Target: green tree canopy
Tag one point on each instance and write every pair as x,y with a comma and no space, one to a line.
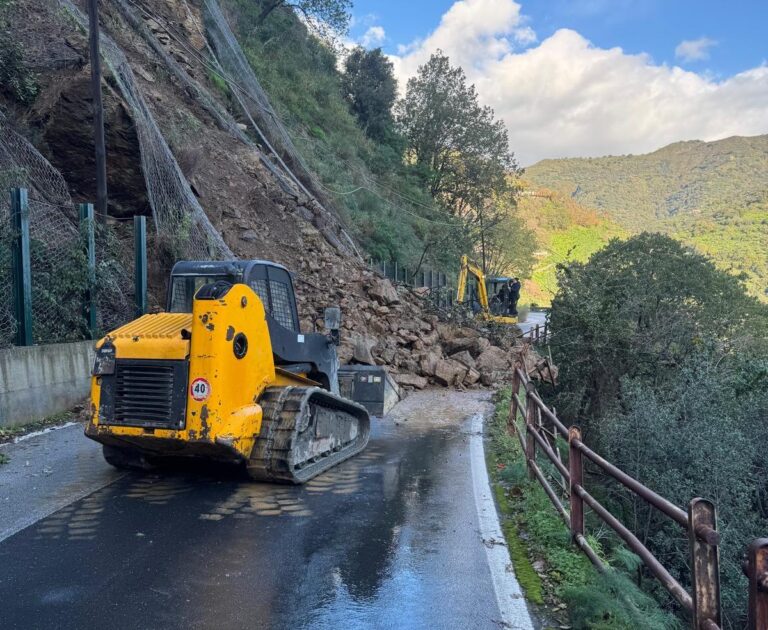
662,363
640,308
461,151
370,88
333,13
460,146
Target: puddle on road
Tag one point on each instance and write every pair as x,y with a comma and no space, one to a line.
79,521
433,413
256,499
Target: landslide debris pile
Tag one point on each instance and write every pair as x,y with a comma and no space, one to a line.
393,326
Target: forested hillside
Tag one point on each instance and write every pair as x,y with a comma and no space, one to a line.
713,195
565,231
419,179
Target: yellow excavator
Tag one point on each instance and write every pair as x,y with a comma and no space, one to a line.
225,374
485,310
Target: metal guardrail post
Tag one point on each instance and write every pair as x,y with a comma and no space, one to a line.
757,572
140,253
705,563
576,470
85,211
530,440
21,269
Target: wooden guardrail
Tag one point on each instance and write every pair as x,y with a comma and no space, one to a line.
539,435
540,333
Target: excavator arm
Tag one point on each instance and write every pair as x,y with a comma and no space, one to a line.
467,268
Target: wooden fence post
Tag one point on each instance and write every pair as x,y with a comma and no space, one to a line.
512,419
21,270
576,470
705,563
757,572
530,440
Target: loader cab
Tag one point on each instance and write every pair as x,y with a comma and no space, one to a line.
270,281
311,354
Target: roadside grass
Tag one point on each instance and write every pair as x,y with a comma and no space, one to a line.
10,433
552,571
4,459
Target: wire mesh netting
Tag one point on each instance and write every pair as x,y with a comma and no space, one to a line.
231,62
57,252
176,211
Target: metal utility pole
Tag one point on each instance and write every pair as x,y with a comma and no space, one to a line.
98,111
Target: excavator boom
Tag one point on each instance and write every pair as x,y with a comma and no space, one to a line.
470,268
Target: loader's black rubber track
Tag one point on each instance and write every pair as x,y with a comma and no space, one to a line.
304,432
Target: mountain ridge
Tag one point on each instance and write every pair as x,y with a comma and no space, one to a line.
711,195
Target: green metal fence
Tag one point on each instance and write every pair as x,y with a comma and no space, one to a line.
66,276
437,285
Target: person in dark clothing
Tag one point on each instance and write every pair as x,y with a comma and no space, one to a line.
514,295
502,299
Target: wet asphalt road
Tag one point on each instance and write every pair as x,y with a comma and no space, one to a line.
532,319
390,539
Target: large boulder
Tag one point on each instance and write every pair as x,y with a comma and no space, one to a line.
345,352
480,345
362,345
458,344
493,359
383,292
428,363
465,358
472,377
411,380
499,377
449,372
430,338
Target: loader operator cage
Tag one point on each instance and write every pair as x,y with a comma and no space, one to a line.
271,282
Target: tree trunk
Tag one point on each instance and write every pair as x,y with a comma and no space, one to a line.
267,10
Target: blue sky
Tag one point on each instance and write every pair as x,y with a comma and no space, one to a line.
656,27
591,77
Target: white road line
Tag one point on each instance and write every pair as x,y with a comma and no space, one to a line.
509,596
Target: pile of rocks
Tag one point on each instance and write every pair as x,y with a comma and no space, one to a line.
390,326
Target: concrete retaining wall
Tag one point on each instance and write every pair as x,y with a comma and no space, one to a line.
39,381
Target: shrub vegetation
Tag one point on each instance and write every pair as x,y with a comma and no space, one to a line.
663,364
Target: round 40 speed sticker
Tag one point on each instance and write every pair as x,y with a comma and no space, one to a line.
200,389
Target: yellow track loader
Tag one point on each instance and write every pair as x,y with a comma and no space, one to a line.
226,374
485,312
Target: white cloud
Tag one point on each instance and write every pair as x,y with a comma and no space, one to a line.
694,49
566,97
374,36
